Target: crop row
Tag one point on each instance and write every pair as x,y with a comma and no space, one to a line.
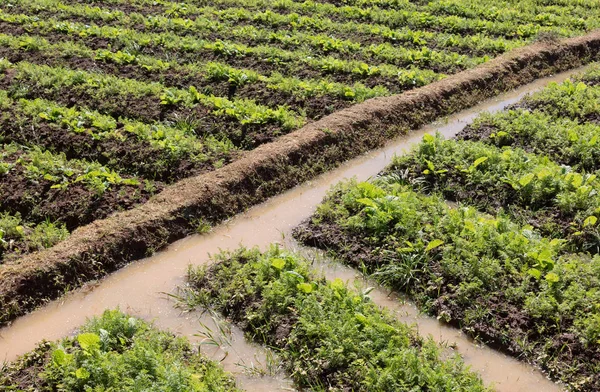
320,15
548,13
499,281
43,194
560,121
328,336
251,27
167,46
573,99
564,140
217,77
116,352
153,150
121,97
273,58
553,198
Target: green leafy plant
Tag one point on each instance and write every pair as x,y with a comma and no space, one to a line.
119,352
326,326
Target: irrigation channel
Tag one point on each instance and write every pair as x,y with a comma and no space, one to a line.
143,288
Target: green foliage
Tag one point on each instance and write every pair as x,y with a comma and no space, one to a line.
552,197
572,99
107,87
564,140
468,268
335,338
38,164
116,352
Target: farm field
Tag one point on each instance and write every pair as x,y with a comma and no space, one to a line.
337,333
120,353
128,124
513,260
106,103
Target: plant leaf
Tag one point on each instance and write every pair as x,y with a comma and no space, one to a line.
82,374
278,263
88,341
535,273
306,288
433,244
479,161
526,179
552,277
590,221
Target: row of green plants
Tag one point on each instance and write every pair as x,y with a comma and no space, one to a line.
543,13
190,49
574,99
205,73
247,41
556,199
108,92
43,186
37,164
18,237
104,135
116,352
320,37
446,16
327,335
421,20
509,23
501,282
517,11
564,140
560,121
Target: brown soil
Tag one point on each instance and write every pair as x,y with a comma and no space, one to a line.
102,246
77,205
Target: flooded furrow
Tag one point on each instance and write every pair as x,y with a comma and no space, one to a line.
143,287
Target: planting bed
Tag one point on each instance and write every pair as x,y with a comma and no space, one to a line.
116,352
515,262
329,336
166,116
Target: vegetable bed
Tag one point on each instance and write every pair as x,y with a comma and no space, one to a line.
513,261
116,352
328,336
136,95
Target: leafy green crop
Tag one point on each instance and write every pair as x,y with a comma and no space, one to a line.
564,140
559,201
497,280
116,352
328,336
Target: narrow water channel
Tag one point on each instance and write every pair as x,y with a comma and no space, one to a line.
142,287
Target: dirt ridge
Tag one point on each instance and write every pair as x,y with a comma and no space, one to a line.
105,245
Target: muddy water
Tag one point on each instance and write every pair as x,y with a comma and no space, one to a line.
142,287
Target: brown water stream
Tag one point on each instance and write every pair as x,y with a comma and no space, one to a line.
140,287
